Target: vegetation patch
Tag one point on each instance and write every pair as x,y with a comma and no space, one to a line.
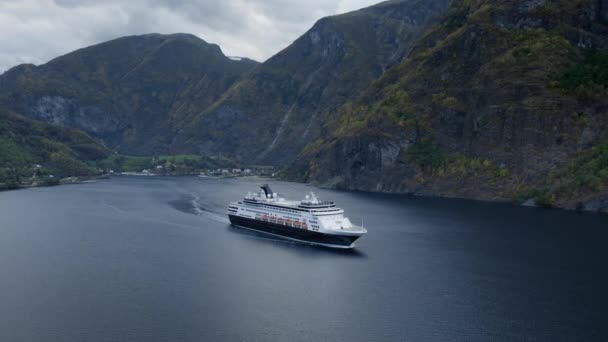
36,153
538,49
587,174
587,78
168,164
397,106
426,155
351,120
463,166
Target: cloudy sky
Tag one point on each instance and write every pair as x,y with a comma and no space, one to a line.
35,31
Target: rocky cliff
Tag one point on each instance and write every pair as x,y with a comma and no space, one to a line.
499,101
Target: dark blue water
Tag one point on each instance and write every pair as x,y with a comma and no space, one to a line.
154,259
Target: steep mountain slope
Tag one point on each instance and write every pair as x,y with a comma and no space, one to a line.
500,100
131,92
274,111
59,151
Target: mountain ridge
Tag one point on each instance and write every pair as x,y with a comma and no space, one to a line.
127,91
284,101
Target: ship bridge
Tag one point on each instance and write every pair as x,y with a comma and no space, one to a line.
319,205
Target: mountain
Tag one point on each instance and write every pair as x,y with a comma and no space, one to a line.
164,94
480,99
273,112
131,92
59,151
501,100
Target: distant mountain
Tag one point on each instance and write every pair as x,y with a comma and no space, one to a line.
132,92
500,100
61,152
274,111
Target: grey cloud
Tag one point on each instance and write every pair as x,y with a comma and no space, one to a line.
35,31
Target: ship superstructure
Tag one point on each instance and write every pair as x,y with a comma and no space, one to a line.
309,220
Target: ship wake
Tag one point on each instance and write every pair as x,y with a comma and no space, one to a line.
191,204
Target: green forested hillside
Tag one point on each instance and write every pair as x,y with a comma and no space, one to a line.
37,153
501,100
32,151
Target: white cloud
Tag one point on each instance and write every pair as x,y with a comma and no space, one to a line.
35,31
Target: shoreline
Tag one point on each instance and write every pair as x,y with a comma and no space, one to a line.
94,179
593,206
526,204
63,181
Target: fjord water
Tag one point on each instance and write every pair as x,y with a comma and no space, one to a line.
154,259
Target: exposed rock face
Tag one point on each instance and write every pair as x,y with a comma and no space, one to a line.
132,92
284,103
370,165
598,204
65,112
495,102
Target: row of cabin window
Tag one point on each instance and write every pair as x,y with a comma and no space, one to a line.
281,209
263,213
325,211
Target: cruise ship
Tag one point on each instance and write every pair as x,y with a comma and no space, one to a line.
309,221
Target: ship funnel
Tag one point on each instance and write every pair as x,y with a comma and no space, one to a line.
267,191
